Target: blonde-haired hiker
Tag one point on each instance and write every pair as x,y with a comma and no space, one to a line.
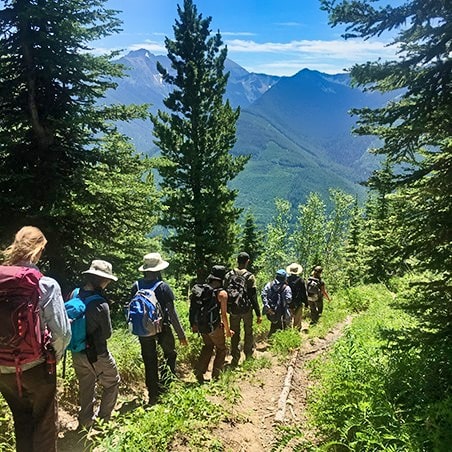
34,333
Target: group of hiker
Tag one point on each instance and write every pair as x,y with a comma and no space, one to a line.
38,326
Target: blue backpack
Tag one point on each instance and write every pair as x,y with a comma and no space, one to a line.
76,308
144,314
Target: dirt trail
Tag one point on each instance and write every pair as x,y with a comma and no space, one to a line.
256,430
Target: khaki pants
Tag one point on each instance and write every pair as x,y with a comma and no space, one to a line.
297,315
216,339
104,372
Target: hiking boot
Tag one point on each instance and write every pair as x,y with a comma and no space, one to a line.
234,363
200,379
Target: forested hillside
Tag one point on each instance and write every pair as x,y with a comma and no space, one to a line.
382,378
295,128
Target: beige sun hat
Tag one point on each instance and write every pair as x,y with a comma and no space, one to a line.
294,269
153,262
101,268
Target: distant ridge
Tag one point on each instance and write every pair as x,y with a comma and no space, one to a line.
297,129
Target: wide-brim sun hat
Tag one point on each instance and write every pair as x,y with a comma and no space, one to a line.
294,269
153,262
101,268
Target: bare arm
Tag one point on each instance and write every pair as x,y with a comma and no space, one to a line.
223,300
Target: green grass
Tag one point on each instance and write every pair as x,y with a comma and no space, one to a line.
370,394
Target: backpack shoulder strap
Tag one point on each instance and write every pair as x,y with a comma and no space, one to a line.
93,297
157,284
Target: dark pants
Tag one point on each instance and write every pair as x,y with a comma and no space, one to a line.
316,308
165,339
279,325
234,323
35,413
216,339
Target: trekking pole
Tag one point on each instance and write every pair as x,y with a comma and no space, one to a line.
64,363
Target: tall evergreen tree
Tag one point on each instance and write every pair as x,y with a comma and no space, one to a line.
415,131
415,127
51,120
195,135
251,240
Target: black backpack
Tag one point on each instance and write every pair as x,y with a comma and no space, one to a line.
314,289
238,299
295,285
204,308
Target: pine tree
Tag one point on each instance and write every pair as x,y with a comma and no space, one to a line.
251,240
52,121
415,132
195,135
415,127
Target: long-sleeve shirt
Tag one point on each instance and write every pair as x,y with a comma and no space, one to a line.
268,296
165,297
98,321
53,316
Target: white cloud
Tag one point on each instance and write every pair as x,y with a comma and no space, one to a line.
289,24
287,58
337,49
152,46
237,33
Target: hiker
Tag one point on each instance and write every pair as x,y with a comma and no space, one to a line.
242,299
276,297
153,264
95,364
316,291
28,377
208,316
299,295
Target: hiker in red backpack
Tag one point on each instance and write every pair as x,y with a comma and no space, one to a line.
316,291
35,331
95,364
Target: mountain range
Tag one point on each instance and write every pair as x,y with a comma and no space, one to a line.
296,129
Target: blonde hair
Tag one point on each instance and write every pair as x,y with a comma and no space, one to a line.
27,246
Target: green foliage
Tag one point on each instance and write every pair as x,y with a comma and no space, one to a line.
186,412
6,426
251,241
318,238
195,137
285,341
56,170
310,232
377,393
276,242
121,188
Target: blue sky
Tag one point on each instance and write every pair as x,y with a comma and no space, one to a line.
278,37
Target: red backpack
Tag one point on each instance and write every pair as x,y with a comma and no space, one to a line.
21,339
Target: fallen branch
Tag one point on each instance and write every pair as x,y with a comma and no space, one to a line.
282,402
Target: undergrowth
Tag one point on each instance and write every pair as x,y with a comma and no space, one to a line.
372,394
